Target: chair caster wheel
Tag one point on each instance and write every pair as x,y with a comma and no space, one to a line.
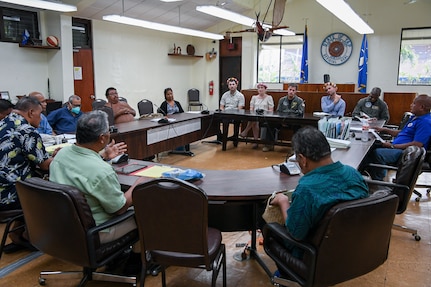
417,237
42,281
417,199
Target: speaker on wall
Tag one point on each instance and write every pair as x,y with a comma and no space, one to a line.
326,78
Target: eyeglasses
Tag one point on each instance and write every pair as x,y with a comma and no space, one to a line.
113,93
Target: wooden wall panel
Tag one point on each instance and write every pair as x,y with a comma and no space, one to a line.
319,87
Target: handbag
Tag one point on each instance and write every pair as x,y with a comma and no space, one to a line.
273,213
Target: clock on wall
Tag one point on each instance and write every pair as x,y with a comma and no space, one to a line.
336,48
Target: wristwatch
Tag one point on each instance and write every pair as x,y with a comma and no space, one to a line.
392,146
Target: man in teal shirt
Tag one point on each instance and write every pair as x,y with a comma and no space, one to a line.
324,184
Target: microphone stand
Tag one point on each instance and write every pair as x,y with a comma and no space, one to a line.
187,151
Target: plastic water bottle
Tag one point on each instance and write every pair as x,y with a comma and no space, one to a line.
365,131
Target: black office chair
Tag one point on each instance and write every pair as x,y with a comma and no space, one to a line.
97,104
403,185
351,240
8,217
194,99
145,107
172,218
426,168
60,223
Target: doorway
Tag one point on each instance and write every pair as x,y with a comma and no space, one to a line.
83,62
230,62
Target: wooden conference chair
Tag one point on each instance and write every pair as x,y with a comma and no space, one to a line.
351,240
60,224
172,218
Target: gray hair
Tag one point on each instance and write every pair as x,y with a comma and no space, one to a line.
91,125
27,103
311,143
74,97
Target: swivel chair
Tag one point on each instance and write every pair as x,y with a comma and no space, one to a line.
60,223
97,104
403,185
8,217
172,218
351,240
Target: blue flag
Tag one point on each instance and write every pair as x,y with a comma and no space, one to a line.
304,61
363,66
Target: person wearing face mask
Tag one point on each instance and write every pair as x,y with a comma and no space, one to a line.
64,120
372,106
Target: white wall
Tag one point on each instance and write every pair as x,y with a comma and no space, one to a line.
135,60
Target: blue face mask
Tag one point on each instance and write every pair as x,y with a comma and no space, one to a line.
76,110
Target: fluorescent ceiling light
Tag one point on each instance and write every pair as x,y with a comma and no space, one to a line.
345,13
54,6
237,18
161,27
168,1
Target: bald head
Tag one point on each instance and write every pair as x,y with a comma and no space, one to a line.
39,96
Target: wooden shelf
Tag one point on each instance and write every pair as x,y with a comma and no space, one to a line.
39,47
185,56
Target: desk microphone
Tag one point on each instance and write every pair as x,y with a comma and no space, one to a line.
160,110
163,120
206,111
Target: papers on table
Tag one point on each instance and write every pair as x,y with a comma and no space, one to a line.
50,149
337,143
377,136
335,128
320,114
153,171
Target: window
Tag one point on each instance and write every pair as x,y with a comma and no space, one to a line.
414,67
14,22
81,31
279,59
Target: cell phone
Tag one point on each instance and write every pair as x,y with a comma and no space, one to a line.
127,169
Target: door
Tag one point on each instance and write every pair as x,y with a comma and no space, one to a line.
84,77
230,62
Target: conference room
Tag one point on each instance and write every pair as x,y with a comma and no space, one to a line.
142,62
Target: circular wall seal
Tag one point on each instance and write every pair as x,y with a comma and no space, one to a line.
336,48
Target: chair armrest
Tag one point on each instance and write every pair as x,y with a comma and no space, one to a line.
382,166
114,221
385,183
393,127
281,232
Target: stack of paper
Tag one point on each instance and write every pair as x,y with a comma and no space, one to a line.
335,128
337,143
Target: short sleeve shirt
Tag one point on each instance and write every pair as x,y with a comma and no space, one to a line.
234,101
417,129
21,150
86,170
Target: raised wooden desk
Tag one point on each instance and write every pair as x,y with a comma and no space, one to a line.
145,138
227,116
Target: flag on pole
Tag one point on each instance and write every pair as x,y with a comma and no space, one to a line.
304,61
363,66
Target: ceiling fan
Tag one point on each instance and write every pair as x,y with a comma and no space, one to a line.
263,30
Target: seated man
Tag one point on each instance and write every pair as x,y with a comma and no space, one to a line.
81,165
417,131
64,120
332,104
323,185
292,105
232,100
44,126
21,153
5,108
123,112
372,106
